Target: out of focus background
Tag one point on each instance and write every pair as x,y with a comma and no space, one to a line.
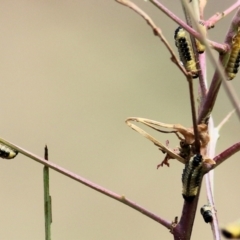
71,73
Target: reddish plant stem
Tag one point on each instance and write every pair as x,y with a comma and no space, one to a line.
156,30
185,224
218,16
184,228
220,158
210,100
90,184
217,46
202,77
208,104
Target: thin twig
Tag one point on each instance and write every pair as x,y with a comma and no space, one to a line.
156,30
227,153
224,121
194,118
210,23
89,184
209,102
217,46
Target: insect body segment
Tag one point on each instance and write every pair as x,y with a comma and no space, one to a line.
191,177
232,230
200,47
206,212
185,51
234,59
7,152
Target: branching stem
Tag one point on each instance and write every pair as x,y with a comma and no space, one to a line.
217,46
218,16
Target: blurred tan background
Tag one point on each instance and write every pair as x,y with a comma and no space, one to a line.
71,73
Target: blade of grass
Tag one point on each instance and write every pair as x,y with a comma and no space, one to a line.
47,199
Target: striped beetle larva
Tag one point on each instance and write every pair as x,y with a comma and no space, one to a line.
234,59
7,152
232,230
191,177
185,51
206,212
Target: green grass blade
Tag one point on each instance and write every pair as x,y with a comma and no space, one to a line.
47,199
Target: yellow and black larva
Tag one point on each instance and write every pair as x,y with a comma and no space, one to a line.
192,177
200,47
185,51
7,152
232,230
234,59
206,212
